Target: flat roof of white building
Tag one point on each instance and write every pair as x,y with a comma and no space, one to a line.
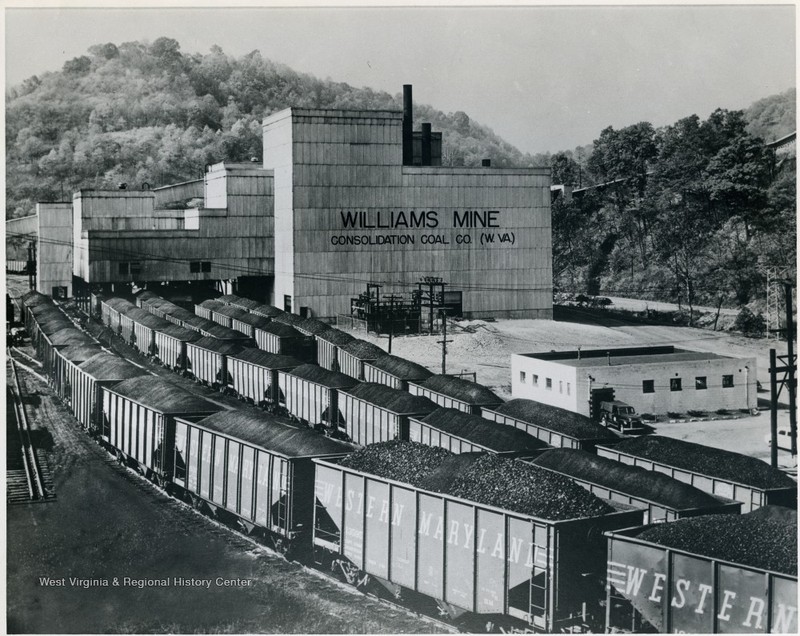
622,356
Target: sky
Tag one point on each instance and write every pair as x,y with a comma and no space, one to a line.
545,78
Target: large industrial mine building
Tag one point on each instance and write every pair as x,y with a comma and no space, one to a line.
343,198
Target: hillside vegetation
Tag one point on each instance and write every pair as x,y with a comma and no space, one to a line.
149,113
696,211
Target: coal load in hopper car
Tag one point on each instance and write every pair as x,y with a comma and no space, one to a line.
706,574
727,474
485,539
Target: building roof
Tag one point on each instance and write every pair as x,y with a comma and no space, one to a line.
107,366
266,359
463,390
318,375
473,428
363,350
394,400
335,336
623,356
554,419
401,368
216,345
631,480
273,433
159,395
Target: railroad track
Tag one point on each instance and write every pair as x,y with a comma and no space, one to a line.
28,478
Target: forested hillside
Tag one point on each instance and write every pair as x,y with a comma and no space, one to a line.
691,213
695,212
142,112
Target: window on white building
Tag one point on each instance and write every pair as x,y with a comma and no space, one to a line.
522,377
648,386
560,386
675,384
700,383
567,388
727,381
535,380
548,383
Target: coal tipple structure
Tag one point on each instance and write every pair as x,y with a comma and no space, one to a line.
343,198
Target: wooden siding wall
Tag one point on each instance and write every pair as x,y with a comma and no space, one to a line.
349,161
54,249
118,226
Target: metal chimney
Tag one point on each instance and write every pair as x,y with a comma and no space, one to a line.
426,144
408,126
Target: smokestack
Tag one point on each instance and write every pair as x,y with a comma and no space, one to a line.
486,163
408,126
426,144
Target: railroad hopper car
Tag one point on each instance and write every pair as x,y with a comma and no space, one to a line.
554,426
328,344
371,413
30,300
461,432
277,337
248,323
248,304
50,343
475,560
311,327
181,316
46,319
214,330
170,342
206,308
456,393
288,318
701,575
102,369
355,354
267,311
254,467
723,473
254,376
663,498
144,329
395,372
312,393
157,306
66,361
144,298
110,311
95,309
139,422
225,314
207,360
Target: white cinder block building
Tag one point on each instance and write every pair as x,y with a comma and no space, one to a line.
654,380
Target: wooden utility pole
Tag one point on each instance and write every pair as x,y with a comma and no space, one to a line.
792,367
789,369
391,298
444,341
